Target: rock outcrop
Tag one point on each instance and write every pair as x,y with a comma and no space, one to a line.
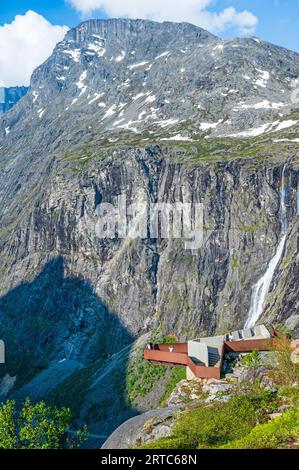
10,96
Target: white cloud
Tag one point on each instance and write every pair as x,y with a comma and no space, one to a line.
24,44
193,11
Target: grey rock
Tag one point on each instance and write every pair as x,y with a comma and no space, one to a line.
10,96
141,429
165,78
6,385
221,387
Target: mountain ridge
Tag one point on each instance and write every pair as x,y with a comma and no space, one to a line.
122,87
9,96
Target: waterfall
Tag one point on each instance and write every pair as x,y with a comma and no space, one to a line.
261,289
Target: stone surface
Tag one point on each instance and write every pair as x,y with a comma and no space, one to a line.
141,429
6,385
10,96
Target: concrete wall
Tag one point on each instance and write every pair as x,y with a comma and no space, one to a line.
199,352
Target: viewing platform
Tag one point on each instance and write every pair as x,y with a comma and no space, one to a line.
203,357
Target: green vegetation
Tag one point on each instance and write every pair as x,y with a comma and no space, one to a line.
35,426
272,435
168,339
235,262
251,360
282,328
141,378
71,392
286,373
177,374
224,424
291,394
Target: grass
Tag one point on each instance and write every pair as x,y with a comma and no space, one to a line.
177,374
71,392
141,377
286,373
216,426
251,360
281,432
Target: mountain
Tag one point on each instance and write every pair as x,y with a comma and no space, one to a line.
158,112
10,96
128,75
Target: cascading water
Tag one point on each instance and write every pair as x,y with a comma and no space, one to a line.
261,289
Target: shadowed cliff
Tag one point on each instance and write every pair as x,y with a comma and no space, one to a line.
62,343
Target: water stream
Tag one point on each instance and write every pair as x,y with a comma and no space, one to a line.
261,289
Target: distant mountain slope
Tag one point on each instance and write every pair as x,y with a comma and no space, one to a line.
10,96
164,78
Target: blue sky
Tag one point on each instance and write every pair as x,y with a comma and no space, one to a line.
272,20
278,19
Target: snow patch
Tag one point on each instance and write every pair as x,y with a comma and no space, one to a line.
97,47
35,96
139,95
285,125
204,126
150,99
263,79
178,137
112,110
167,122
74,54
40,112
128,127
121,57
140,64
96,97
261,105
80,84
164,54
255,132
286,140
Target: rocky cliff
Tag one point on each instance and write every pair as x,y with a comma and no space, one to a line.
137,108
10,96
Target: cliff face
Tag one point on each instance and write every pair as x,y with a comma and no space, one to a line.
150,283
96,125
10,96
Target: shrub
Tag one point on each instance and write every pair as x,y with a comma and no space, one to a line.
251,360
282,328
286,372
291,394
177,374
271,435
214,426
141,377
168,339
34,426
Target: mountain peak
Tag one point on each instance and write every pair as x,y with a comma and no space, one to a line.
173,80
123,29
